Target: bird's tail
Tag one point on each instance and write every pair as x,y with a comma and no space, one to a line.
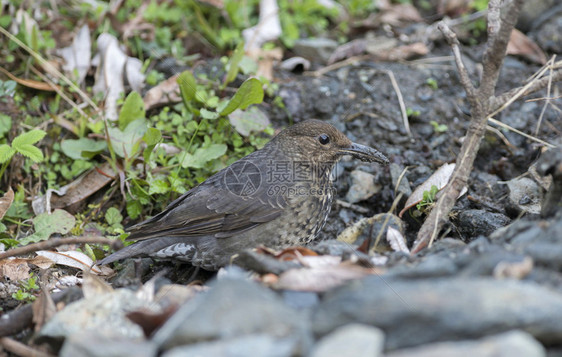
141,248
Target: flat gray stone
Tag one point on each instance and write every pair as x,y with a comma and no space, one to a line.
232,308
355,340
91,344
103,313
422,311
508,344
251,345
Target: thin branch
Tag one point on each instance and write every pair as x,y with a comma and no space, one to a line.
497,45
55,242
496,103
20,349
530,137
453,41
400,102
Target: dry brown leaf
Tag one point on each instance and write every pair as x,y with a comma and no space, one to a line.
41,262
15,269
439,178
93,286
266,60
291,253
83,187
321,278
72,259
149,320
30,83
166,92
43,309
521,45
404,52
6,202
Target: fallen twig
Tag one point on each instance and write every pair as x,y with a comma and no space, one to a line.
55,242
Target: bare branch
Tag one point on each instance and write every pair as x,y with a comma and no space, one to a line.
497,46
55,242
497,102
494,20
453,41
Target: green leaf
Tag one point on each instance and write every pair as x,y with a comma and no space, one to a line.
46,224
134,208
75,149
9,242
233,67
247,121
152,136
158,186
29,138
188,87
250,92
124,142
6,153
113,216
132,109
248,65
203,155
31,152
207,114
5,124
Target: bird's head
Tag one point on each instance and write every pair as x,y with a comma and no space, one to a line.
318,141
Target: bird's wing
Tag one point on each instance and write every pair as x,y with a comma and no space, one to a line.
211,209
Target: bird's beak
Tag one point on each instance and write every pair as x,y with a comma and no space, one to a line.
364,153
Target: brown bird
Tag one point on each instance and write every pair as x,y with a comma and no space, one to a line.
277,196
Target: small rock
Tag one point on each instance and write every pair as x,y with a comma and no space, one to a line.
475,222
252,345
512,343
104,313
362,186
351,340
455,308
548,37
524,194
233,308
91,344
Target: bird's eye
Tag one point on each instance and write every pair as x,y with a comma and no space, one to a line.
324,139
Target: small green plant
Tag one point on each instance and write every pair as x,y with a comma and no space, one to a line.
432,83
114,218
438,128
27,288
22,144
428,198
412,113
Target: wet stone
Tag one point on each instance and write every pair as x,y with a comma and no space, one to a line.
231,309
91,344
351,340
251,345
362,187
475,222
405,309
508,344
